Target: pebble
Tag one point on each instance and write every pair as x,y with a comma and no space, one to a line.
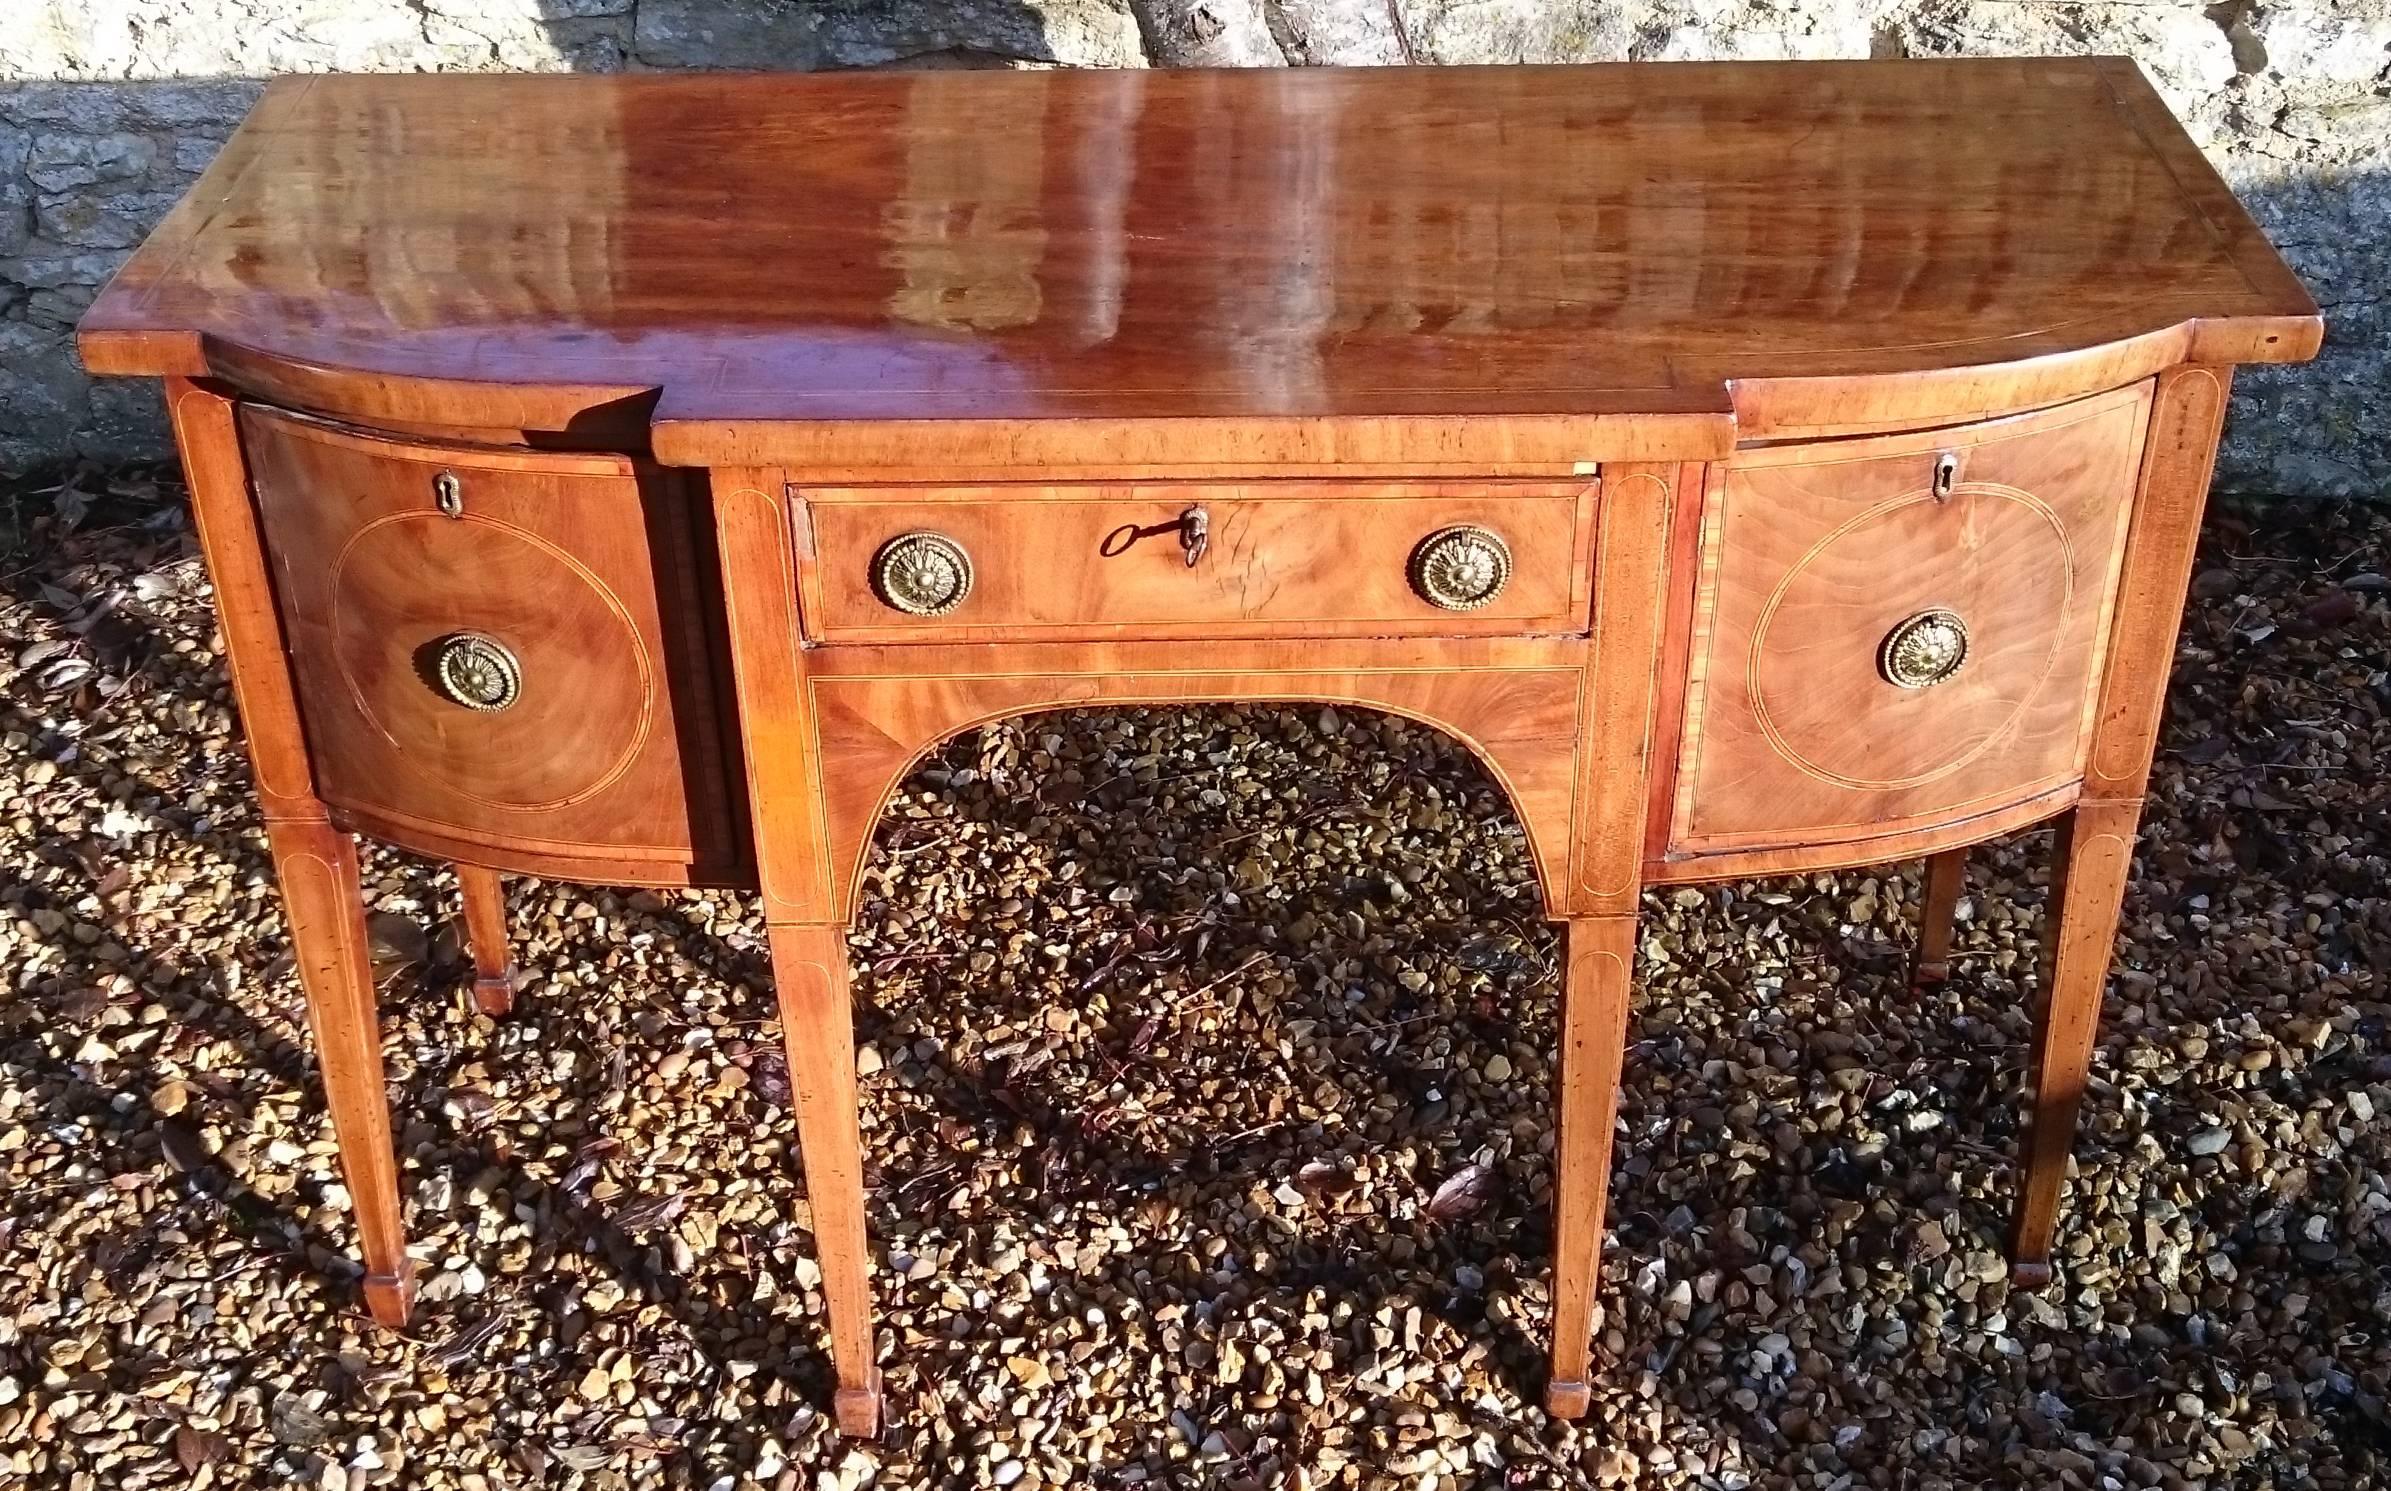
1928,1241
1173,1017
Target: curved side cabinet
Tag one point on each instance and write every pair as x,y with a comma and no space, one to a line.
501,655
1900,633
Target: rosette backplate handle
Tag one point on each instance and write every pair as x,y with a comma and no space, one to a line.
1923,650
1461,568
922,574
478,672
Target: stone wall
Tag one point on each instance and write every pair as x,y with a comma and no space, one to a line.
108,108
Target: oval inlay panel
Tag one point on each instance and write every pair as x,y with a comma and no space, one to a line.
1814,646
409,583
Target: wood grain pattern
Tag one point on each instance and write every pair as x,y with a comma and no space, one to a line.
484,897
879,710
1812,408
1956,831
1282,558
1594,1007
1164,270
809,953
315,863
2188,417
2091,859
1695,339
2094,853
1673,647
207,437
1156,446
325,904
582,567
817,1021
1793,737
1616,728
2212,203
782,754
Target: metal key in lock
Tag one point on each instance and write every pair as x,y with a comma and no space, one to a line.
1195,533
1193,526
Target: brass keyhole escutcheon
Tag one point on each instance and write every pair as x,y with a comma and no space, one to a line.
1461,568
1923,650
448,494
479,672
1946,475
922,574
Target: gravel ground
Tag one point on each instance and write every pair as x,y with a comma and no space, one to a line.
1206,1100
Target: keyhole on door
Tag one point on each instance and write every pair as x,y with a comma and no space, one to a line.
1946,475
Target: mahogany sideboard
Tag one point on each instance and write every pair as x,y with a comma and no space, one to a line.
1761,467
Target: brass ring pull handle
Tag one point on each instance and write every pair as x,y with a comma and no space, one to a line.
1461,568
1923,650
478,672
922,574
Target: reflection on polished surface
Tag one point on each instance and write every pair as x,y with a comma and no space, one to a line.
1289,243
1762,469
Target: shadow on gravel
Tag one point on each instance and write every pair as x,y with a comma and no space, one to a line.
1178,1025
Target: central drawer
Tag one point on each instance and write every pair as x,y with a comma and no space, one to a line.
1195,559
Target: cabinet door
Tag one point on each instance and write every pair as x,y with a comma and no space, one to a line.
500,655
1899,632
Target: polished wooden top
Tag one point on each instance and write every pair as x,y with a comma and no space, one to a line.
1563,244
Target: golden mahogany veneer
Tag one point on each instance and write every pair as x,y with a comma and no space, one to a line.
1761,467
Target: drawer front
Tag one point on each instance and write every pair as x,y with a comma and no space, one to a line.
496,648
1895,632
1113,560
